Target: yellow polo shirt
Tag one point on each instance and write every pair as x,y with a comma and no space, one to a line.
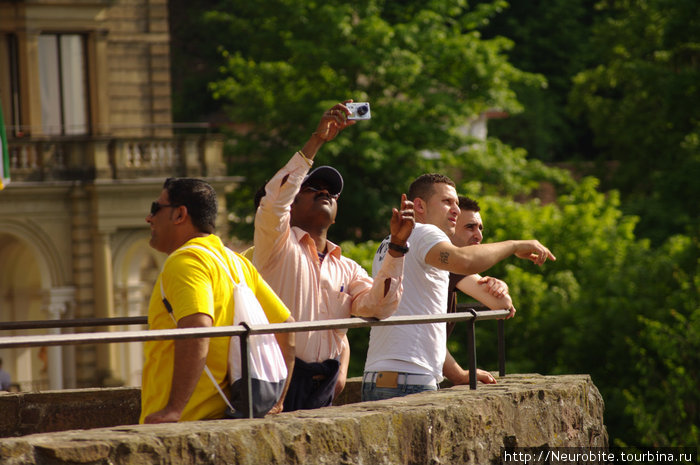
195,283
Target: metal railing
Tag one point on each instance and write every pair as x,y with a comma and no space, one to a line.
244,332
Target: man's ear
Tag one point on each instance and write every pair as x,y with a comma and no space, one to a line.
180,214
419,205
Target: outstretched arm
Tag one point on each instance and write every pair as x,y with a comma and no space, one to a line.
272,219
478,258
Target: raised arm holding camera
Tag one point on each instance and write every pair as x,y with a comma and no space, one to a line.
308,271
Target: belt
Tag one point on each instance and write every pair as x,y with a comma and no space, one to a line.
393,379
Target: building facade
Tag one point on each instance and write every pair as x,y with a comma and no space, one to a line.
85,93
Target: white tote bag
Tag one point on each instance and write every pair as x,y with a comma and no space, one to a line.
268,371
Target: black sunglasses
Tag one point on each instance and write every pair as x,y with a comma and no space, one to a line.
155,207
316,189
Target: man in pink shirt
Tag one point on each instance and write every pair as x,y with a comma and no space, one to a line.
308,272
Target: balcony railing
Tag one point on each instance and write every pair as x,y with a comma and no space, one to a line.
88,158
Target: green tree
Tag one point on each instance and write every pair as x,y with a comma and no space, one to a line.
588,296
642,104
665,401
621,91
665,404
423,67
597,309
551,38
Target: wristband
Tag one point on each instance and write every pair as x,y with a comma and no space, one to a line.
398,248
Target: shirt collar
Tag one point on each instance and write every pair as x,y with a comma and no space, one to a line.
300,234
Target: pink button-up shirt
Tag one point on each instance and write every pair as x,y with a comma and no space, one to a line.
313,290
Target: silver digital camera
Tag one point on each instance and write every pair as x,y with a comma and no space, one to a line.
360,110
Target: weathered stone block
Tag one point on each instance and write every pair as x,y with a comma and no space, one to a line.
69,409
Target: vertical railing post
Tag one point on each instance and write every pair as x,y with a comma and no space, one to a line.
245,370
471,348
501,348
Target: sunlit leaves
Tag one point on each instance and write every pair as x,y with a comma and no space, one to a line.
424,68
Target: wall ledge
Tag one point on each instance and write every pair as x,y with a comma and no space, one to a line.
455,426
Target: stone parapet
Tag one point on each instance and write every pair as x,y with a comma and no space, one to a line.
45,412
455,426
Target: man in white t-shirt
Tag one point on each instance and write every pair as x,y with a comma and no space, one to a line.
406,359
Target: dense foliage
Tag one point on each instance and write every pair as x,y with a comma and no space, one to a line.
423,67
552,38
616,85
622,95
641,103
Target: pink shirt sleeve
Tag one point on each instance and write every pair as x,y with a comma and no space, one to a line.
272,218
378,298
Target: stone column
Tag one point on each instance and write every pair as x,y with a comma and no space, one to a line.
104,297
56,302
190,156
134,305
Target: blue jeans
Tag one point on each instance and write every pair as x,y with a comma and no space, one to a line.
370,391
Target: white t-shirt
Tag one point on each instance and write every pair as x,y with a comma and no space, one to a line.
421,348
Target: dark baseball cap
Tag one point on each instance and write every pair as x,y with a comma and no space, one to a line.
330,175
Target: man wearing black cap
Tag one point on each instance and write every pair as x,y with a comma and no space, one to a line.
308,272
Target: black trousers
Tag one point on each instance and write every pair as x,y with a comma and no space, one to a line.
312,385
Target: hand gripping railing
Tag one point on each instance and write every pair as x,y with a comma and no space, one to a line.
471,316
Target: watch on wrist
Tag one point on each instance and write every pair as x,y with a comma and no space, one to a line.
398,248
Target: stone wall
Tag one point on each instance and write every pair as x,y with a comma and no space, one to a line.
451,426
45,412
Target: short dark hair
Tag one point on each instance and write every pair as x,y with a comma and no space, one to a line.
423,186
199,198
465,203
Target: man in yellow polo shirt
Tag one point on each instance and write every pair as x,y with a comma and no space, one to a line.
174,386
